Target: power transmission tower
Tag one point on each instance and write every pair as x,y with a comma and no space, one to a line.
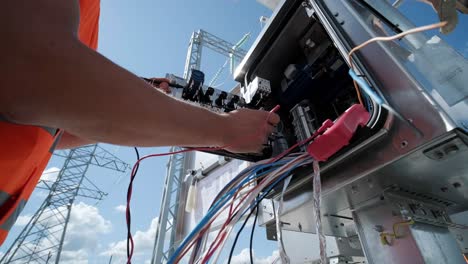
166,240
41,241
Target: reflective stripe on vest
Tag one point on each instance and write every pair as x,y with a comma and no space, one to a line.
50,130
8,223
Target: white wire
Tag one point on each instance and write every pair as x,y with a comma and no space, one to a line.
204,248
279,233
317,189
272,176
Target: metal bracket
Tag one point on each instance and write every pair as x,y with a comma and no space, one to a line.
422,211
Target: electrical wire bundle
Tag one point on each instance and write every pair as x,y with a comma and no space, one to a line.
240,197
241,190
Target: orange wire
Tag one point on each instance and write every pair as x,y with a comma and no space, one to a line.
389,38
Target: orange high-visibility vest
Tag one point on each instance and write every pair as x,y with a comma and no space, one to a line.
25,150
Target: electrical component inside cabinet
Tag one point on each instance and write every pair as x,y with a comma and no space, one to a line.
304,73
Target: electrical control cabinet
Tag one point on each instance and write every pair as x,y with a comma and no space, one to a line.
416,147
392,149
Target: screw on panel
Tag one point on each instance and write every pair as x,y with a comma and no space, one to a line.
404,144
354,189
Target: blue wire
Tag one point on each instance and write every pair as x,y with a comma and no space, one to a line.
366,88
270,186
253,173
248,178
222,201
219,204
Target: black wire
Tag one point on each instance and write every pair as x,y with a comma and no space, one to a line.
255,209
198,244
245,222
239,232
251,236
129,214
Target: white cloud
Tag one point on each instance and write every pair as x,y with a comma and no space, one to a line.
120,208
74,257
23,220
50,174
244,258
84,228
144,241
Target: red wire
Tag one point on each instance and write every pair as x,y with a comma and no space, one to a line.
210,252
129,192
212,220
305,141
229,219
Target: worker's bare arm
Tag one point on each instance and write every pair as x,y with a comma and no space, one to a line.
49,78
68,141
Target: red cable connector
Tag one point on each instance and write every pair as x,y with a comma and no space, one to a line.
334,136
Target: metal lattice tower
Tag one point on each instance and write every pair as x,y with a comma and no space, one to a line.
169,207
202,39
166,240
42,239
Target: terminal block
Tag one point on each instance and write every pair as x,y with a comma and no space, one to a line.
258,89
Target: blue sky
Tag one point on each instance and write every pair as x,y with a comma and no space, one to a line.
150,38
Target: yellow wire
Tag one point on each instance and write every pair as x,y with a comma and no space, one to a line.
394,235
390,38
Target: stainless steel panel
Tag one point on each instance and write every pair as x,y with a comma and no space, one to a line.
417,243
346,182
461,235
436,244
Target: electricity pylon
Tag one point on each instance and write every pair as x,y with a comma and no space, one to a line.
41,240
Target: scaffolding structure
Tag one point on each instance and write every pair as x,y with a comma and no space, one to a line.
202,39
165,240
42,239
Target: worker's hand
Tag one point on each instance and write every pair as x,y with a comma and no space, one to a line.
248,130
161,83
